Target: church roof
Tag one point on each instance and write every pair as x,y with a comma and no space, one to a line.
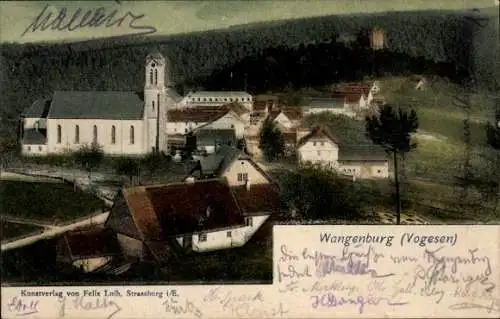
96,105
38,109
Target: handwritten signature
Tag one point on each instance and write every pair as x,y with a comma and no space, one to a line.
173,306
330,300
21,307
86,304
63,20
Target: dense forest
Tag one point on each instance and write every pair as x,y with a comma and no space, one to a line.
261,57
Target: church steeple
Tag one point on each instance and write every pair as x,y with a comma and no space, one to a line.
155,106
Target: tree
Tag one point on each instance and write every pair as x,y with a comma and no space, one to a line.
391,129
89,157
271,140
317,192
128,167
492,184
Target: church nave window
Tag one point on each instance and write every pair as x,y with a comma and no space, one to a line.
77,134
59,134
132,135
153,102
113,134
95,134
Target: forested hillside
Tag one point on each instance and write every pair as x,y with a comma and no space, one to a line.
204,59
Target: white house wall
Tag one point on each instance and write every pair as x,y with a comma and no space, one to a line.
228,121
336,111
365,169
243,166
91,264
30,123
326,153
219,239
121,146
283,120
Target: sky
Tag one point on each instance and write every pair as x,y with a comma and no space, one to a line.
177,17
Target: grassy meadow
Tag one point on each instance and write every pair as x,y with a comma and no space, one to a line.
48,202
431,168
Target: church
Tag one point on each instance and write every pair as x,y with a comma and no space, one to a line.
129,123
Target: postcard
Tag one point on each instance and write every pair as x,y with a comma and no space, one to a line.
250,159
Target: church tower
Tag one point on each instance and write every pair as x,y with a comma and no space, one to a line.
157,73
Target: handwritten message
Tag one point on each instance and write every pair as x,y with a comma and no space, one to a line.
350,270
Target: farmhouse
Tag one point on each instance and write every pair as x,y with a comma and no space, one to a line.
128,123
320,147
160,222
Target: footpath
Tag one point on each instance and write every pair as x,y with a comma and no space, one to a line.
80,179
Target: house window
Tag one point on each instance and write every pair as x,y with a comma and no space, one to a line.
204,99
95,134
314,143
242,177
230,99
29,148
225,99
156,76
151,76
216,99
322,144
202,237
185,130
40,148
113,134
379,171
37,125
248,221
59,134
319,153
229,235
232,125
77,134
153,105
132,135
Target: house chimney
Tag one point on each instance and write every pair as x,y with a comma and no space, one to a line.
247,184
209,210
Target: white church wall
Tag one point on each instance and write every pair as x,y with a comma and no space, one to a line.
123,145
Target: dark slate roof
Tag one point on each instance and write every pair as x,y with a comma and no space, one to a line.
213,136
362,153
34,137
39,109
97,105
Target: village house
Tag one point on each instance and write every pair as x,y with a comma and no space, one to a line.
230,163
216,98
320,147
128,123
89,250
210,140
165,221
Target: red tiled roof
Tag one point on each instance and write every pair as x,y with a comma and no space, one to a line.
143,213
259,198
204,114
318,133
98,242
